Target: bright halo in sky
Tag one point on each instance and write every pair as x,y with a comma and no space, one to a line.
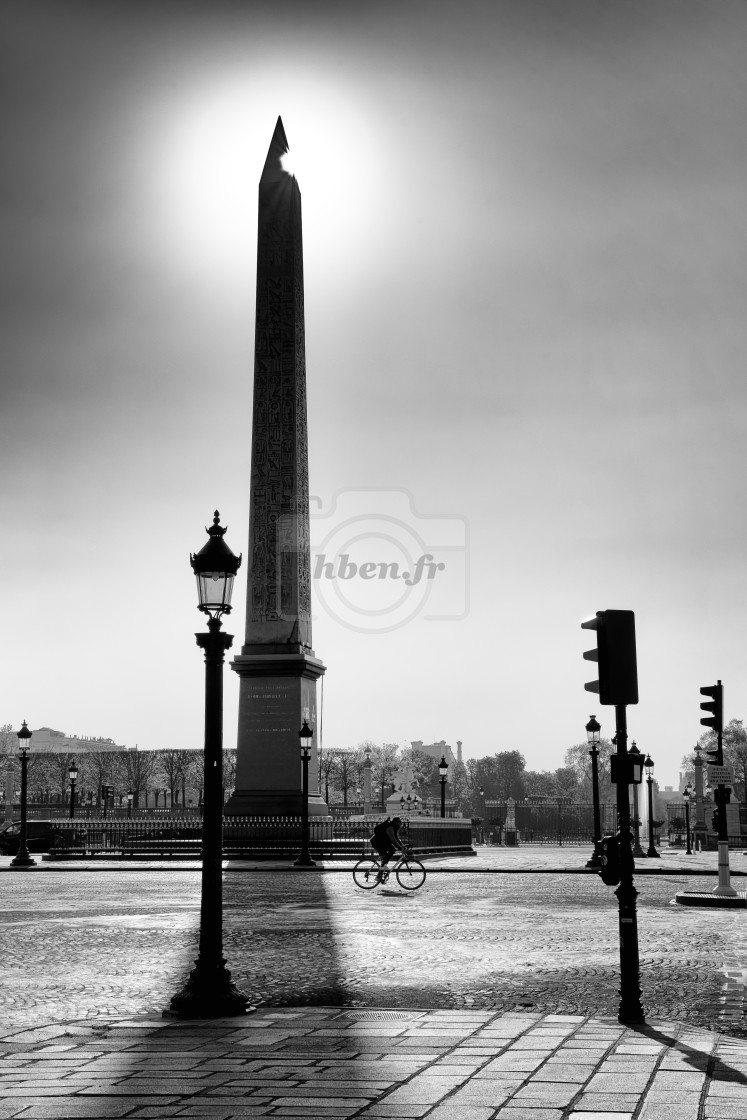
209,152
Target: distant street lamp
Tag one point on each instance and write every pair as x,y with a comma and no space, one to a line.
652,852
443,767
592,735
209,992
402,803
305,735
688,794
73,773
481,792
638,851
130,796
23,859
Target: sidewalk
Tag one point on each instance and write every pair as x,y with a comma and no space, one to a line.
333,1062
522,860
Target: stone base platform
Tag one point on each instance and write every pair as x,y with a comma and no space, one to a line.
706,898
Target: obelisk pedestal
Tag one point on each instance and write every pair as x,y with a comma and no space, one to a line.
277,667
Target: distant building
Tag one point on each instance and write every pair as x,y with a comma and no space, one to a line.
436,750
57,742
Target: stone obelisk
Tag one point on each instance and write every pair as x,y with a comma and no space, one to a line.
277,667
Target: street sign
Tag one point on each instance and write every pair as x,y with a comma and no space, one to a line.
720,775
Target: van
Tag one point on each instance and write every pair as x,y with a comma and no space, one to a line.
39,836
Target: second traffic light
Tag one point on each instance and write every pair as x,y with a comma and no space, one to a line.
615,655
715,706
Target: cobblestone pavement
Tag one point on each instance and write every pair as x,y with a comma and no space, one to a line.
119,942
333,1062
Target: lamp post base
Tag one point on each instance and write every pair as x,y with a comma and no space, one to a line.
208,994
23,859
304,861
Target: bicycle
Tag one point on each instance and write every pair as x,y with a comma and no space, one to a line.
409,872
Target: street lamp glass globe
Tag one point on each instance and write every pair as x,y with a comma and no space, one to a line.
23,738
592,730
73,771
649,765
443,766
215,568
305,735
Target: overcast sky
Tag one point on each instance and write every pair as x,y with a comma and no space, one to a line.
525,266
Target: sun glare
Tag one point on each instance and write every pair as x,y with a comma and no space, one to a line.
210,152
289,163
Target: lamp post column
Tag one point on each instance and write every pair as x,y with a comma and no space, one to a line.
443,767
689,851
638,851
630,1009
699,828
652,852
209,991
592,732
73,774
23,859
305,735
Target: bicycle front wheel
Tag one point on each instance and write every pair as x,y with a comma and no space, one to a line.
366,873
411,874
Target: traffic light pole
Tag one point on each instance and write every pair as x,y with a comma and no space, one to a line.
631,1009
721,796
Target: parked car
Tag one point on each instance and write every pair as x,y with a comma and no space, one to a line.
40,837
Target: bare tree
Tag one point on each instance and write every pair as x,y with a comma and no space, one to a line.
139,769
344,772
326,770
384,764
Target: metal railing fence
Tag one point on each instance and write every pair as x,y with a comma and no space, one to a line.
253,835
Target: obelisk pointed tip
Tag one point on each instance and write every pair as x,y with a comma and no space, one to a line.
278,148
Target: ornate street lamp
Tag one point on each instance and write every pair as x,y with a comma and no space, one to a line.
593,730
402,803
481,793
23,859
209,992
130,796
73,774
652,852
638,851
443,767
305,735
688,794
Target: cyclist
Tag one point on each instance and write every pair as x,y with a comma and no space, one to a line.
385,841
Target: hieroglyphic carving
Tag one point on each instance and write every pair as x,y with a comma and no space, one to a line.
279,575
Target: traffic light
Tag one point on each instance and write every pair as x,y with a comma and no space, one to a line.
615,655
715,706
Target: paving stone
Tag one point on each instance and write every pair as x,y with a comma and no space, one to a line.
601,1102
723,1108
618,1083
457,1111
509,1111
685,1108
547,1093
600,1116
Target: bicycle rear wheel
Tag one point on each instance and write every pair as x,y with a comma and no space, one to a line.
411,874
366,873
